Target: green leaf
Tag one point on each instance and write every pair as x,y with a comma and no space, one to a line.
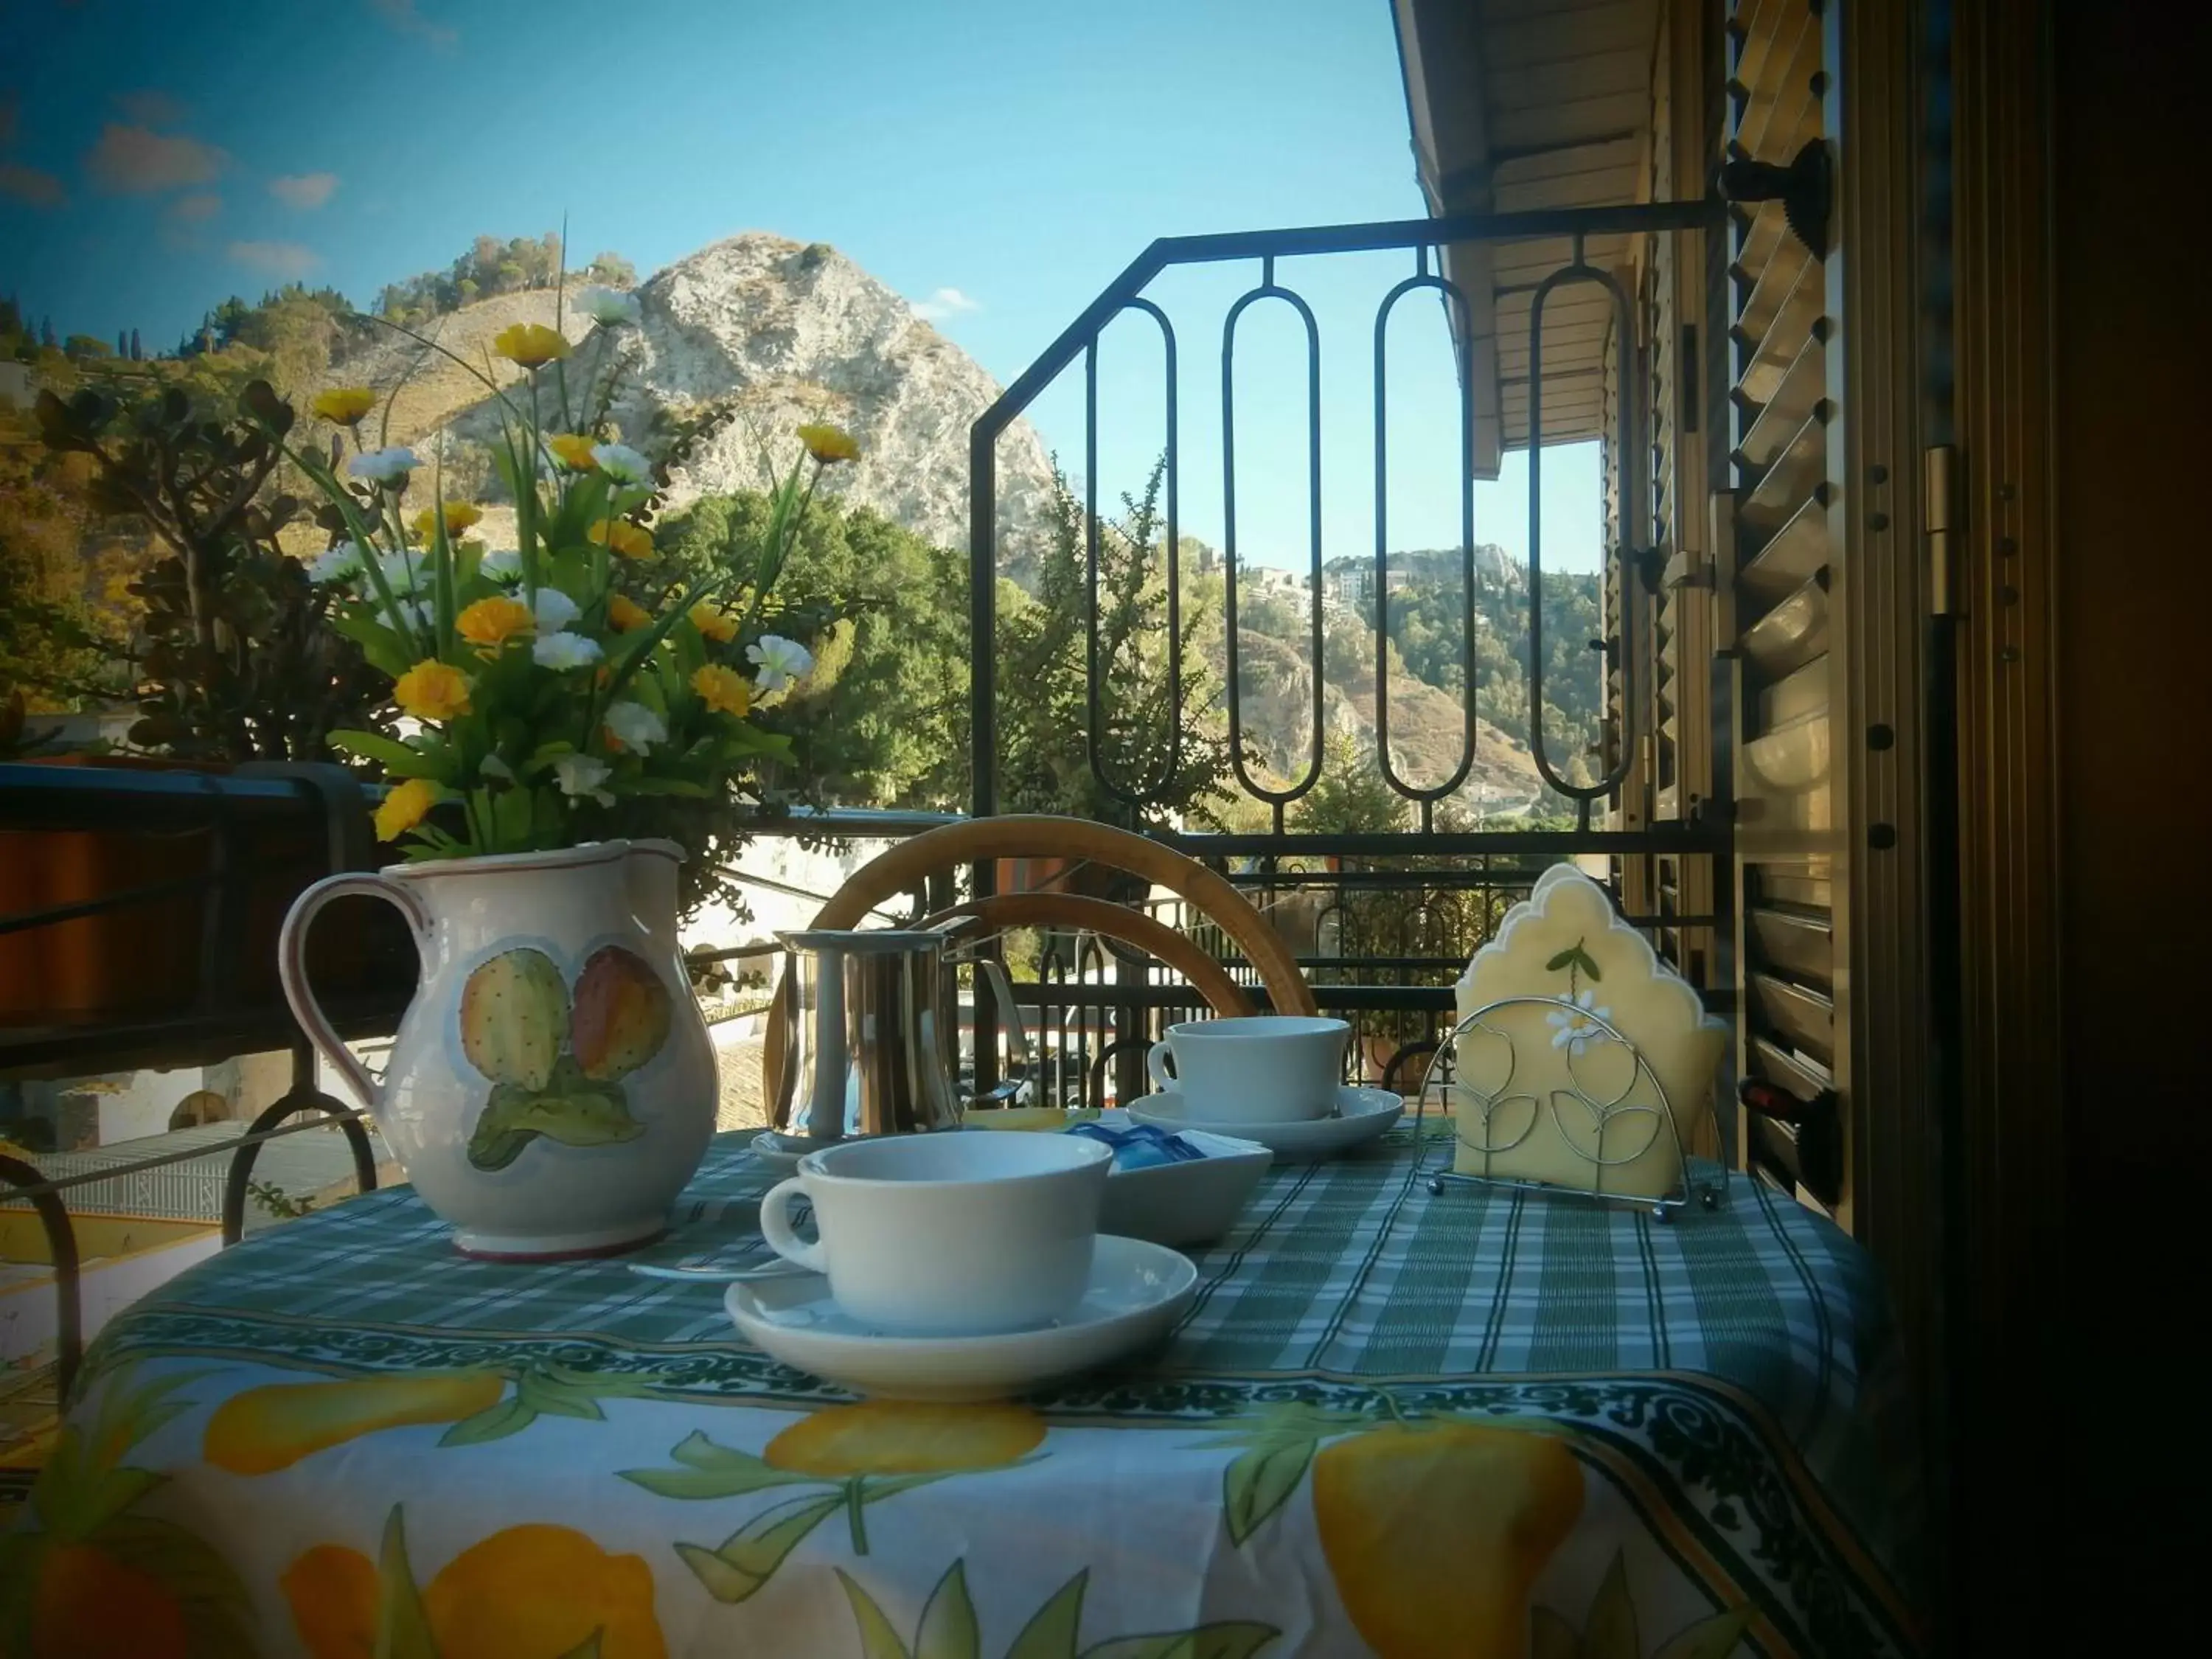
1708,1638
1610,1630
877,1639
604,1385
712,1484
1259,1483
748,1559
1551,1637
1051,1633
948,1621
1561,960
1590,966
394,756
403,1629
1235,1639
558,1399
647,785
494,1422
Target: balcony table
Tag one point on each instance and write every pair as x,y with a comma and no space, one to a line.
1393,1421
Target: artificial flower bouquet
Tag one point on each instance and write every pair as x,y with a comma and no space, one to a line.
544,686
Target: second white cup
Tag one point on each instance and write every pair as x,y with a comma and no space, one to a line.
951,1233
1258,1068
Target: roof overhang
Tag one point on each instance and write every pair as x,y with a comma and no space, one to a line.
1518,104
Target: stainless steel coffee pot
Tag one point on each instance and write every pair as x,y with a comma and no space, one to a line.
872,1046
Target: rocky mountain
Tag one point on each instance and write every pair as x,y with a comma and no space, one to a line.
765,333
749,337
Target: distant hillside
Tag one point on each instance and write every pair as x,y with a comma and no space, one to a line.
747,337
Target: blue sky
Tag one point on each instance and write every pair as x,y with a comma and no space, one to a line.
998,161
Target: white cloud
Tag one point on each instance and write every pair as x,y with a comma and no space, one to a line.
196,208
288,260
150,109
31,186
139,162
402,16
304,191
946,302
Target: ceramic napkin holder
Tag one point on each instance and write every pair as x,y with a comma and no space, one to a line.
1542,1092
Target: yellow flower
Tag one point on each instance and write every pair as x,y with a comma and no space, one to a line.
404,808
631,541
345,405
723,688
574,450
828,444
490,624
625,613
716,623
432,691
532,344
460,516
898,1437
526,1592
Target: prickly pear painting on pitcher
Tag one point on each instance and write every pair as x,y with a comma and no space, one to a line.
556,1064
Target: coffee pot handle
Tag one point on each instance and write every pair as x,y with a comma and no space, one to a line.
1009,1021
291,964
1156,1066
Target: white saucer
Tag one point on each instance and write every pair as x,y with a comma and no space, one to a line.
782,1153
1360,1115
1138,1291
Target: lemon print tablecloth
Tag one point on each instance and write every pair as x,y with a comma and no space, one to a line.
1462,1424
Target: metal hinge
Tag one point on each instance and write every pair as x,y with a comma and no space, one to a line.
1940,481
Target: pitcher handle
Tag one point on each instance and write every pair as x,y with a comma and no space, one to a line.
292,963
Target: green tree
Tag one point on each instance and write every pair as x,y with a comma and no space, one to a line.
612,269
1350,797
1044,745
883,720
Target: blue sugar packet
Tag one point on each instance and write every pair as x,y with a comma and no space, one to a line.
1141,1146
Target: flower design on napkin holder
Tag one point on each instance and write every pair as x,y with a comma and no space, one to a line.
1503,1120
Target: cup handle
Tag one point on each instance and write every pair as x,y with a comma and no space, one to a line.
1156,1066
775,1226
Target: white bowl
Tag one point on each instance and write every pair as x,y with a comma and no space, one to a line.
1361,1115
1186,1203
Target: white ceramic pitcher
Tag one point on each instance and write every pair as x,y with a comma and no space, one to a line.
552,1086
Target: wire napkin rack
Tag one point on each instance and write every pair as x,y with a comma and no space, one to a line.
1503,1120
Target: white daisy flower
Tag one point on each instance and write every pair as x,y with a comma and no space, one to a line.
406,573
389,467
1573,1032
582,775
335,564
779,662
555,611
622,464
635,726
608,305
565,651
503,566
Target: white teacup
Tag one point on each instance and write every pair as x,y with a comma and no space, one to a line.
1260,1068
948,1233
